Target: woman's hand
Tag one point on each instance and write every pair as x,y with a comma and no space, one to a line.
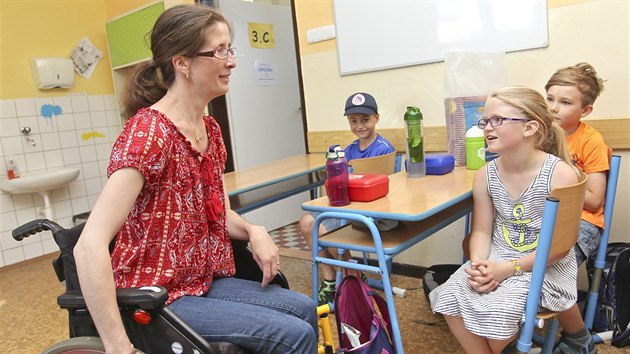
265,253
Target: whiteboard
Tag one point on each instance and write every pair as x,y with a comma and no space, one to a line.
384,34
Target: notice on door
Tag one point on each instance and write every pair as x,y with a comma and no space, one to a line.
265,74
261,35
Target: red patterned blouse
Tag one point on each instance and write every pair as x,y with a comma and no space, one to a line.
175,235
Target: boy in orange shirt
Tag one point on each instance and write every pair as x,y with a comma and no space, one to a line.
571,93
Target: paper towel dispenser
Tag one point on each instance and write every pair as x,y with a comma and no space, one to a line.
51,73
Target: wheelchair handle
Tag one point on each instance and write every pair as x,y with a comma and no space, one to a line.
33,227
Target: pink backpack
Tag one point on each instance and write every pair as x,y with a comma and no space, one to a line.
363,328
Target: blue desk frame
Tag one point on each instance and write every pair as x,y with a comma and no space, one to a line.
434,217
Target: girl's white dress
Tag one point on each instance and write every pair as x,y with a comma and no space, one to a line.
498,314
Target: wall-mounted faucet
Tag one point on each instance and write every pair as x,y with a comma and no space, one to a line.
26,130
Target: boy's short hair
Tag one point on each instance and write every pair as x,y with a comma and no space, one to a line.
581,75
362,103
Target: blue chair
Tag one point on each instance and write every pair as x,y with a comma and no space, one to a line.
558,234
600,259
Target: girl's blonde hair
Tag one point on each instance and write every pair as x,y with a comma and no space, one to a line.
550,136
581,75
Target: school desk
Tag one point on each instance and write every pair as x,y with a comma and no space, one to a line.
421,205
264,184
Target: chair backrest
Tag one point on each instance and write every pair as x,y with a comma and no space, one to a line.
570,208
381,165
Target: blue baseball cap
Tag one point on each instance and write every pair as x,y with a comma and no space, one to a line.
361,102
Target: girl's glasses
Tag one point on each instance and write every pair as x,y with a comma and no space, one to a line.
221,53
495,121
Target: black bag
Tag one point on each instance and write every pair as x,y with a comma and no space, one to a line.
436,275
613,307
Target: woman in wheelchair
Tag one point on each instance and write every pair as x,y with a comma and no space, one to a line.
166,205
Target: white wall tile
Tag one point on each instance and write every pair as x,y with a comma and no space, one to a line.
99,119
103,151
47,125
82,121
96,103
77,189
25,215
79,103
34,145
113,118
1,260
65,122
63,209
50,141
90,170
68,139
35,161
84,137
88,153
80,205
12,146
6,202
7,109
60,194
29,121
93,185
7,241
8,221
9,127
63,102
23,201
25,107
54,158
110,102
49,246
71,156
33,250
92,200
113,133
66,222
12,256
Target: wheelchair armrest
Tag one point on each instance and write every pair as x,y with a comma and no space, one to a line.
147,298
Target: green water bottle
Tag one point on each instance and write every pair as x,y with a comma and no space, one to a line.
416,166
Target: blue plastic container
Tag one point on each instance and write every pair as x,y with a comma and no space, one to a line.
439,164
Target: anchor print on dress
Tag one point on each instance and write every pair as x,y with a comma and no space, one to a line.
526,240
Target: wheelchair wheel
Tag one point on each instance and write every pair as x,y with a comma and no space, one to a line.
77,345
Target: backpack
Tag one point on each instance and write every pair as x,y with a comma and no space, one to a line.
363,328
613,307
436,275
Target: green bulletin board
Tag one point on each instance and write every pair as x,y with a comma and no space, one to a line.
127,36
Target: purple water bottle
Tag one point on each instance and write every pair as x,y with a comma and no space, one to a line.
337,169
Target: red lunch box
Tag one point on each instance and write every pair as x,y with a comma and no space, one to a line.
366,187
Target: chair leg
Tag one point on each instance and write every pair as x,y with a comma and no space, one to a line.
550,336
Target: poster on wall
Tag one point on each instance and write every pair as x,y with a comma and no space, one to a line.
85,56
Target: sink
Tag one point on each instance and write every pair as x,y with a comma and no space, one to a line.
39,181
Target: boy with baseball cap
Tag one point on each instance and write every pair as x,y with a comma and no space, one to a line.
362,113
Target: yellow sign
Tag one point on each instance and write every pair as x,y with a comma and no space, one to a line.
261,35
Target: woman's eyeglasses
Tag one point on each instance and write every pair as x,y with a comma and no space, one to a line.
496,121
221,53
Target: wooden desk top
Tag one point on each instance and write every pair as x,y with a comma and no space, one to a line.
272,172
409,199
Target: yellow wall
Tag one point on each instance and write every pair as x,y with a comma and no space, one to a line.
30,28
579,30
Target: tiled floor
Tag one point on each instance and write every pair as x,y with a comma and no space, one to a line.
289,237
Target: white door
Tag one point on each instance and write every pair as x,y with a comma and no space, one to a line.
263,102
264,97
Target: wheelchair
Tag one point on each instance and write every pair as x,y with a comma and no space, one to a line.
151,326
